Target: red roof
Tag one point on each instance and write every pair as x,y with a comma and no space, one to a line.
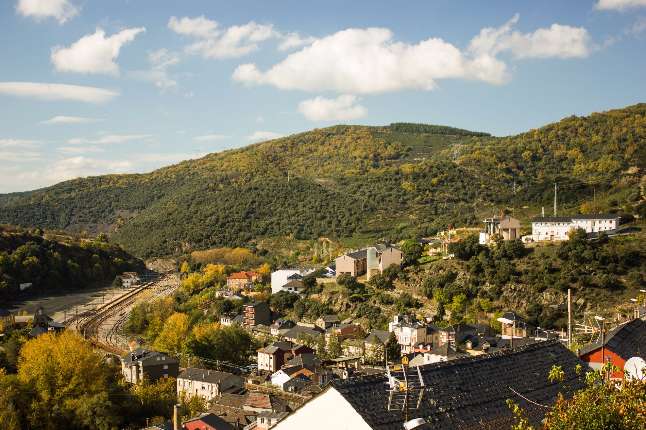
242,275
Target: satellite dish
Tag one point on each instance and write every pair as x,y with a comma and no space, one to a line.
635,368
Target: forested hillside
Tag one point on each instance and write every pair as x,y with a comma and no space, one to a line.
52,265
391,182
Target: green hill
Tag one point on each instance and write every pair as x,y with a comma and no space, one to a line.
375,182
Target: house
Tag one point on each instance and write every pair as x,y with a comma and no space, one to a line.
369,261
146,364
294,286
374,346
256,313
272,357
301,332
262,402
242,280
505,226
513,326
231,319
300,371
281,277
267,420
345,331
280,327
557,228
129,279
353,347
619,345
436,354
207,383
352,263
326,321
408,332
467,393
380,257
207,421
43,323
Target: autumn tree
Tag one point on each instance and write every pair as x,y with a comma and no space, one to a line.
173,335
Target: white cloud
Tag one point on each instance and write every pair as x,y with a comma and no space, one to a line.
209,137
556,41
93,53
263,135
365,61
213,42
61,10
342,108
80,166
79,149
45,91
294,40
160,61
109,139
19,150
638,27
63,119
619,4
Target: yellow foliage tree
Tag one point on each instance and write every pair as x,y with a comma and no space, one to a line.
173,335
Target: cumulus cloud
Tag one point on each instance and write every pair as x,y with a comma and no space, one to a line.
46,91
342,108
109,139
61,10
81,166
556,41
160,61
619,4
209,137
63,119
294,40
365,61
258,136
93,53
213,42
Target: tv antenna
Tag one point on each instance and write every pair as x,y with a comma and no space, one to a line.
405,389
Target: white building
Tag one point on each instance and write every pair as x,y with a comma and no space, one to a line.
557,228
206,383
128,279
409,333
280,278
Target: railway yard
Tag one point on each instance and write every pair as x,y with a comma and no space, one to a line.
101,323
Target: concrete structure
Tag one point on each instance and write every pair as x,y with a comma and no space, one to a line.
506,227
207,384
352,263
557,228
129,279
273,357
143,364
371,260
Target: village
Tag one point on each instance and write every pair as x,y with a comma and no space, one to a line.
335,373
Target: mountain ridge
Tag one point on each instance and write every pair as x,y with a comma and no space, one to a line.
383,181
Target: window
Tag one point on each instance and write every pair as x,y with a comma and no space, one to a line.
165,366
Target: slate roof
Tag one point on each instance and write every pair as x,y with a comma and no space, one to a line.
207,375
300,330
330,318
277,346
627,340
552,219
471,393
596,216
378,336
358,255
147,357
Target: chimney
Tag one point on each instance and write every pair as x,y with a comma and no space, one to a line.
176,423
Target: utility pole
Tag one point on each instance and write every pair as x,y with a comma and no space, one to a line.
569,318
555,190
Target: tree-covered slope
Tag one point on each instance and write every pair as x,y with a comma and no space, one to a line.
58,263
393,181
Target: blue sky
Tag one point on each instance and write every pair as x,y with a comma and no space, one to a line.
90,87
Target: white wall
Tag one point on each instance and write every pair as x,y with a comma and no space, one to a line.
328,411
279,278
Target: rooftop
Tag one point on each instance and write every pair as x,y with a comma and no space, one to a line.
471,393
628,340
147,357
206,375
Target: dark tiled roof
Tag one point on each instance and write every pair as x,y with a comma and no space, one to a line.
596,216
147,357
4,312
552,219
277,346
358,255
627,340
330,318
471,393
378,336
300,330
207,375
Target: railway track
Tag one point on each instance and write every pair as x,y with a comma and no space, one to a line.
103,326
